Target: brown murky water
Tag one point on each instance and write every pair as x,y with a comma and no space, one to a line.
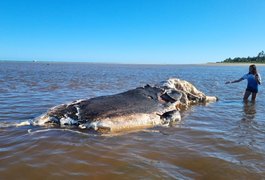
223,140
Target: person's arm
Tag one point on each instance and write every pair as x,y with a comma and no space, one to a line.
258,79
235,81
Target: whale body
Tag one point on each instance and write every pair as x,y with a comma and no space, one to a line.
138,108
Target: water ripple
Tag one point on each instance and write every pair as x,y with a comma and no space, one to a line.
223,140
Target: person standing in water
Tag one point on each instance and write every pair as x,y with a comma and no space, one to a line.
254,79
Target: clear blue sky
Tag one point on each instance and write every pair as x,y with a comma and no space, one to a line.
131,31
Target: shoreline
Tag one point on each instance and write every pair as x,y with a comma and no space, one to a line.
235,64
113,63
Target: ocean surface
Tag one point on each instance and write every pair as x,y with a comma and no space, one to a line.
222,140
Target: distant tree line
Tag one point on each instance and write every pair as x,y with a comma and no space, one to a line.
260,58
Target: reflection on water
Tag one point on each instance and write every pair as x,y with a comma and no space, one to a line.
249,109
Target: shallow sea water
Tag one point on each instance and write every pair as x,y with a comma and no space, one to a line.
222,140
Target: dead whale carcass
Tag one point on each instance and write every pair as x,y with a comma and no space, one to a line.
142,107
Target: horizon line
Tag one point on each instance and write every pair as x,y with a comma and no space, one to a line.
91,62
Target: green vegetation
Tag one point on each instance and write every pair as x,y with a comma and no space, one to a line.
260,58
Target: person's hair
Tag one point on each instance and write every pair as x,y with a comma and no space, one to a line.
253,69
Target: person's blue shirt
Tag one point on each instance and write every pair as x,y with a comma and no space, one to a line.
252,82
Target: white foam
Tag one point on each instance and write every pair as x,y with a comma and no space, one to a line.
67,121
30,131
24,123
43,119
15,124
93,125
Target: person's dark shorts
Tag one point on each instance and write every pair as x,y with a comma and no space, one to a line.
253,90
